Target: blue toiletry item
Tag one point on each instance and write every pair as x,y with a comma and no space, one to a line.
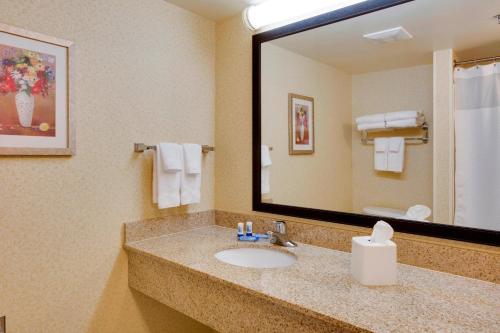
247,238
240,229
249,228
262,236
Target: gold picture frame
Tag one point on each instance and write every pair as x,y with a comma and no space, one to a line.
59,52
300,125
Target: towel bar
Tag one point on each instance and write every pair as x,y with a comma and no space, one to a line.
409,140
141,147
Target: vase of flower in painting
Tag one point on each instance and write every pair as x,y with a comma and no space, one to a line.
25,104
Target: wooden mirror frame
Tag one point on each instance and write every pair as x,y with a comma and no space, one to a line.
481,236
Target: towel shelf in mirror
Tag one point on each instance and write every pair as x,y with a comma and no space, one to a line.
141,147
408,140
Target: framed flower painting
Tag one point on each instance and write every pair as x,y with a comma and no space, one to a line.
300,125
35,115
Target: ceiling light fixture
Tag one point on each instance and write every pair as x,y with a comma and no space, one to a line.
275,11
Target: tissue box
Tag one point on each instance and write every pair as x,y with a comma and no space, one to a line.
374,264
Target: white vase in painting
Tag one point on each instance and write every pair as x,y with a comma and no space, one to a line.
301,131
25,105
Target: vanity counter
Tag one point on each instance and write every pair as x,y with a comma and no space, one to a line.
180,270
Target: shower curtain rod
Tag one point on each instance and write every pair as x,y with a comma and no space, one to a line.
457,63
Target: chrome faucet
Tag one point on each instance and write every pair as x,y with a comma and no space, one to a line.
279,236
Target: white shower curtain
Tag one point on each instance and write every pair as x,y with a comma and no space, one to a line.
477,130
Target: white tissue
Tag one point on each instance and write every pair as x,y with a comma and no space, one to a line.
382,232
419,212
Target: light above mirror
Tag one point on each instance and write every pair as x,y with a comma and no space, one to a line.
275,11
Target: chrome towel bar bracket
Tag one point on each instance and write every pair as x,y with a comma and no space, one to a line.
141,147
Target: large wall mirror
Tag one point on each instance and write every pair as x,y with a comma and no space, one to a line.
384,109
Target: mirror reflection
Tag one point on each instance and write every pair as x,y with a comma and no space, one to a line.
395,114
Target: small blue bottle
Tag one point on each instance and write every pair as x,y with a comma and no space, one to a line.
249,231
240,229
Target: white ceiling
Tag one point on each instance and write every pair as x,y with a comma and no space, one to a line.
467,26
214,9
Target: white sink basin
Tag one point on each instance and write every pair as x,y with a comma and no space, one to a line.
256,258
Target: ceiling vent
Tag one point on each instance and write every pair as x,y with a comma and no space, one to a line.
389,35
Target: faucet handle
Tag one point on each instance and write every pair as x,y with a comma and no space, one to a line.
280,227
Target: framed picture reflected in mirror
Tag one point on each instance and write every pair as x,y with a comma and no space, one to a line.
300,125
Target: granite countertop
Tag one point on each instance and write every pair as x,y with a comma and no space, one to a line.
319,284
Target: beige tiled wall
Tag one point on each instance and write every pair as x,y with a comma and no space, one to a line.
144,72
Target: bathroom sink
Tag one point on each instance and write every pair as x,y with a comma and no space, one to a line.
256,258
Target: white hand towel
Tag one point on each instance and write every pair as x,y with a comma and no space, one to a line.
166,184
190,182
371,126
380,155
395,158
192,157
265,170
154,182
398,115
372,118
265,156
405,123
265,180
171,156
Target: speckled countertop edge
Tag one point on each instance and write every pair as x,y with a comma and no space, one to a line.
236,286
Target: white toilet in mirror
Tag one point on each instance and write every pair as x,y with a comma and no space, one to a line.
410,214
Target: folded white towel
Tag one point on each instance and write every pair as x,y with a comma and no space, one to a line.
171,156
395,144
395,156
405,123
191,181
265,180
398,115
192,157
398,119
380,153
371,126
154,181
265,156
166,184
380,145
372,118
265,169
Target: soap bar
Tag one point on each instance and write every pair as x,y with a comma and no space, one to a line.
374,264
